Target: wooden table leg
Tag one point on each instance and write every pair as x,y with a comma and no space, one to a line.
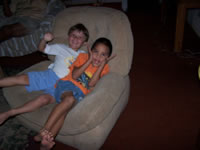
180,23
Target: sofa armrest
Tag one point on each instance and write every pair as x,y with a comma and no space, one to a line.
96,106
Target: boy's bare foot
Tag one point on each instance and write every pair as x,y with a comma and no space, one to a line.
47,142
39,136
3,116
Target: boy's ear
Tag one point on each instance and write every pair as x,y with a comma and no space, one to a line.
85,44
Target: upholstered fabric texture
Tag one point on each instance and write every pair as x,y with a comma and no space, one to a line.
90,121
79,119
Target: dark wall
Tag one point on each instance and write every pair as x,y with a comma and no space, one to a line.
134,5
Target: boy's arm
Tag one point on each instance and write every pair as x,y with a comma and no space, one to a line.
96,75
77,71
47,37
42,45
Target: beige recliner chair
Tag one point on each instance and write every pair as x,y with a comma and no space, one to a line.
90,122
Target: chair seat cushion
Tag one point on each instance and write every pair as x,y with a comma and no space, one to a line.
86,115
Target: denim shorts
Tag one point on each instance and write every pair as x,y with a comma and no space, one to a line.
66,86
42,80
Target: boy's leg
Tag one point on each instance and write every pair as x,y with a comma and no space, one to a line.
14,80
47,138
56,118
67,101
27,107
58,125
54,130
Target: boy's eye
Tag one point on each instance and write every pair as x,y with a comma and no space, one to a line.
95,51
77,37
105,54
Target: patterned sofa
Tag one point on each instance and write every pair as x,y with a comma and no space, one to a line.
24,45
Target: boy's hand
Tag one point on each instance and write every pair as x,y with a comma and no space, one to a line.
109,58
89,53
48,37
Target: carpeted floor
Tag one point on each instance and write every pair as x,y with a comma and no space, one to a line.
13,135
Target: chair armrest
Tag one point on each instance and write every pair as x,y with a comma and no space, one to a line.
96,106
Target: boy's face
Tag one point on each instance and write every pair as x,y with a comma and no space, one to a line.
76,39
99,54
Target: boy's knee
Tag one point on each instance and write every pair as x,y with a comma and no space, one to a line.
23,78
66,95
68,99
46,99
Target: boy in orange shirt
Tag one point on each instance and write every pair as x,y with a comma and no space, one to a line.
84,74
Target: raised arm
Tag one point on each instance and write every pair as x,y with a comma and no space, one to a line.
97,74
77,71
47,38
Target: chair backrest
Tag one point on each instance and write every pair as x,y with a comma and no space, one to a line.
101,22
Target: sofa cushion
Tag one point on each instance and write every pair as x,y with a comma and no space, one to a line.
96,106
86,115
